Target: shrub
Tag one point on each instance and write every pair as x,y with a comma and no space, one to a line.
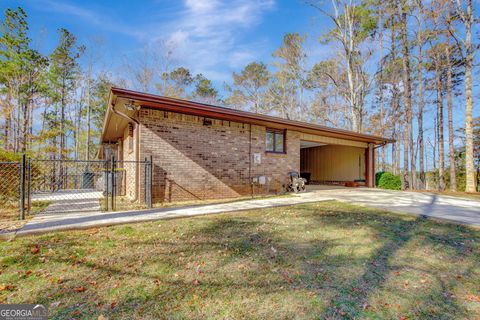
378,175
7,156
389,181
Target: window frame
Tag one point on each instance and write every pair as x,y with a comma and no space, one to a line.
275,132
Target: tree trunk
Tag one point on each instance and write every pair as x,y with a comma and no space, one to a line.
470,168
24,130
407,115
87,146
394,149
434,151
421,150
380,85
8,125
441,146
451,148
399,145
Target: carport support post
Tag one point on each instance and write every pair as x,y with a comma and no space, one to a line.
22,187
150,182
370,166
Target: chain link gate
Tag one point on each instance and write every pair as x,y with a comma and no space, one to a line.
73,186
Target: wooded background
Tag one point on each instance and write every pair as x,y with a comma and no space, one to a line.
398,67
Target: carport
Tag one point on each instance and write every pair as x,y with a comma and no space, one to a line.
327,160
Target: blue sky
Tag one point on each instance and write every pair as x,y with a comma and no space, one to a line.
209,36
212,37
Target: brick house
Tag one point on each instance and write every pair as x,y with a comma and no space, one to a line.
201,151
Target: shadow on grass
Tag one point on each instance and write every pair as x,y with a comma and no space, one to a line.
268,254
351,301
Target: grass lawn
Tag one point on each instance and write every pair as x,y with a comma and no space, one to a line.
313,261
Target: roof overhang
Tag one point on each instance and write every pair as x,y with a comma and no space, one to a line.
118,115
119,98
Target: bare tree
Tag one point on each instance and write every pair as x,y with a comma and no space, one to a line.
420,98
464,10
353,24
449,62
409,176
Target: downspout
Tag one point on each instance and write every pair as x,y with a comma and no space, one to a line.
380,145
137,149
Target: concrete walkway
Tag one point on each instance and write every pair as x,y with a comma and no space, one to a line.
447,208
54,222
70,201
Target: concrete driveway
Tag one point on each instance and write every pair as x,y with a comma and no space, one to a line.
449,208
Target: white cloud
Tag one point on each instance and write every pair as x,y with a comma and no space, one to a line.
201,5
206,35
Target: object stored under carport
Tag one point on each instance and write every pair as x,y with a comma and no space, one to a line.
296,184
351,184
306,176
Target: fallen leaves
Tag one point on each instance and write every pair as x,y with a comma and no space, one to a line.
35,249
366,306
472,297
80,289
287,277
7,287
340,312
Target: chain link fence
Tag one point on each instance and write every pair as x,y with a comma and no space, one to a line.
44,186
10,177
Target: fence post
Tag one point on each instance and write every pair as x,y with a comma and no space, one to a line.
112,204
145,177
150,180
22,187
29,185
106,174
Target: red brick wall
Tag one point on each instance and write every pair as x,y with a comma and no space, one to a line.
194,161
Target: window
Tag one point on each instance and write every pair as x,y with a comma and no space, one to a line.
275,141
